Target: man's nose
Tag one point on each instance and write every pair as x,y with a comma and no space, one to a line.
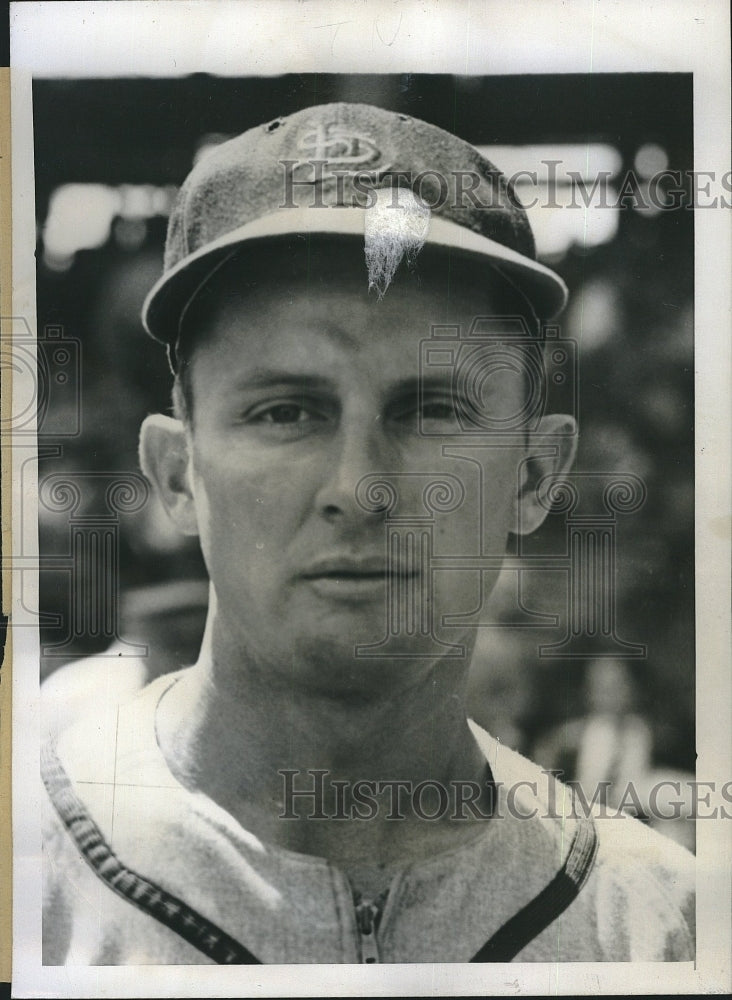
361,449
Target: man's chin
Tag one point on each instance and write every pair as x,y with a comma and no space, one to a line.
366,666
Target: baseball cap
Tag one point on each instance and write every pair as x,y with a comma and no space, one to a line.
315,173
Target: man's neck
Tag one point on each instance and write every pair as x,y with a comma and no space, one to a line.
254,749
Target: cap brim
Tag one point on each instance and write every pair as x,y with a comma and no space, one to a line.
166,301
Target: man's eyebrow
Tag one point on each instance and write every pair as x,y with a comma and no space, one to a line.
431,381
411,386
262,378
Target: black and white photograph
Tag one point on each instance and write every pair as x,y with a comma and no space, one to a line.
370,583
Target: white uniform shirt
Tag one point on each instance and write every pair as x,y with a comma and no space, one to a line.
285,907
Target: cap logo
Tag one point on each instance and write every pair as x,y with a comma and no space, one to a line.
338,147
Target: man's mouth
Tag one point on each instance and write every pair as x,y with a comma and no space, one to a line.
354,577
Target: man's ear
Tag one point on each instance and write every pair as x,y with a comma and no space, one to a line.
165,460
550,452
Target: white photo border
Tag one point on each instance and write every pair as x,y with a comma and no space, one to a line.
268,37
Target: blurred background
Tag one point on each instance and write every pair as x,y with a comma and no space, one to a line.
109,157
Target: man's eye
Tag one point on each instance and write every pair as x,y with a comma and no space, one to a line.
439,412
284,413
287,417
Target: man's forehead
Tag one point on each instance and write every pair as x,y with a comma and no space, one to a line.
296,327
343,347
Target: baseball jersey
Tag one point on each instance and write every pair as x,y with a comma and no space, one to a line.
139,869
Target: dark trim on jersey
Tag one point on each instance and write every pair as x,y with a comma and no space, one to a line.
216,944
145,895
551,902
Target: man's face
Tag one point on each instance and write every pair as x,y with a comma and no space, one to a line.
301,389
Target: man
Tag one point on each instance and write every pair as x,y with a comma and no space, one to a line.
311,789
